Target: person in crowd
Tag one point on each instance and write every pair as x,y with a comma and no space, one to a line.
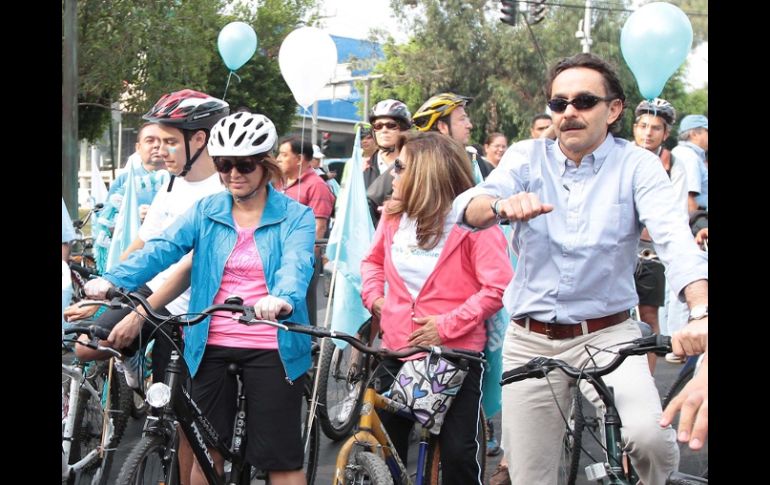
539,125
258,244
184,119
445,113
299,181
389,119
149,177
691,152
494,147
652,125
443,282
577,204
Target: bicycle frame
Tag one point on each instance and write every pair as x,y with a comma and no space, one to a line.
78,380
181,409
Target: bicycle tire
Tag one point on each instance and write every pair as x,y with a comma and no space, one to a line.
433,463
573,438
148,463
310,464
371,466
696,461
88,423
334,388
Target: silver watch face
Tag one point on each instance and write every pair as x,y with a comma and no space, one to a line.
699,311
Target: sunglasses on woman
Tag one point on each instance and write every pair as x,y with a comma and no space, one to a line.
391,125
581,102
398,167
242,165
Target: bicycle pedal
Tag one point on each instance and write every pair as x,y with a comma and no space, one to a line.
596,472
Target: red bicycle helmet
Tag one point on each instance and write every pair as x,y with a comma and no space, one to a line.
188,110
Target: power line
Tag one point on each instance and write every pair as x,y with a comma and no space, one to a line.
607,9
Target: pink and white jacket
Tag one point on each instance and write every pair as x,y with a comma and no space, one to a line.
464,289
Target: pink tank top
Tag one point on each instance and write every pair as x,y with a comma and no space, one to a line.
244,277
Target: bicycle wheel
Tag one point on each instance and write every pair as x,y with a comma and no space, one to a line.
570,450
691,462
369,469
433,465
150,462
89,417
340,389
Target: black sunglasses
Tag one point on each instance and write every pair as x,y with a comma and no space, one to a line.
398,167
580,102
391,125
242,165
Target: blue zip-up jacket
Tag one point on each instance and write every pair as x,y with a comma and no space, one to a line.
284,239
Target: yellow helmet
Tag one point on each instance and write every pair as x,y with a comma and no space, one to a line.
437,107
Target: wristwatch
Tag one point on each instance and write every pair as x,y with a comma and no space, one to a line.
493,205
697,312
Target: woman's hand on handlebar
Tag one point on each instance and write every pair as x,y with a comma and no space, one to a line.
271,307
97,288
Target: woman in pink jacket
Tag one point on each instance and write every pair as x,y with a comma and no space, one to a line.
443,282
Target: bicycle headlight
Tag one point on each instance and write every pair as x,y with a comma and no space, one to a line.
158,395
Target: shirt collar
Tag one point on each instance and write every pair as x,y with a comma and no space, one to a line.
700,151
595,159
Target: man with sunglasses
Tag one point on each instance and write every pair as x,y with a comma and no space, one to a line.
577,204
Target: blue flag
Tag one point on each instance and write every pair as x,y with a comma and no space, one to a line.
349,242
127,221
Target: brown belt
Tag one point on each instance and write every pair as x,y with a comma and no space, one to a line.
559,331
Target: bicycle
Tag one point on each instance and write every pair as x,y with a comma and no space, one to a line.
153,458
616,469
94,412
341,385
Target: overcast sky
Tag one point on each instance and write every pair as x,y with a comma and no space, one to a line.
354,18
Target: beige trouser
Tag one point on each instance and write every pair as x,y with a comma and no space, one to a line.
533,428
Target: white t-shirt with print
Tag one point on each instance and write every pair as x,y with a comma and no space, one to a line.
413,263
165,209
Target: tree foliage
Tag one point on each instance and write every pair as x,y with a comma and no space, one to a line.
461,46
133,51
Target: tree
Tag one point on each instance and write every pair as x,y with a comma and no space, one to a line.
460,46
133,51
262,88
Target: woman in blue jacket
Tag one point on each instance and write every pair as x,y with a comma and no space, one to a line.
256,243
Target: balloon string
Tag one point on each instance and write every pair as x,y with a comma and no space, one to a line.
232,73
301,156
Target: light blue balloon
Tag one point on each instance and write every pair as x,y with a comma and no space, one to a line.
237,42
655,41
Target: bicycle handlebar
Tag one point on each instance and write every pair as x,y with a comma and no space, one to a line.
248,317
541,366
95,333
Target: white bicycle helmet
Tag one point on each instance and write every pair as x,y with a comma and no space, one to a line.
657,107
241,135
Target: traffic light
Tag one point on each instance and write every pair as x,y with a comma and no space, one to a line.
509,9
536,12
326,138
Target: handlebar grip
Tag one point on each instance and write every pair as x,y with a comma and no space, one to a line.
115,293
534,368
100,332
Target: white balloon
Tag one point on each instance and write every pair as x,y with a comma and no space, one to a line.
307,59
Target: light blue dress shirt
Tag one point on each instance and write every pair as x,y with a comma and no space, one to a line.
577,262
